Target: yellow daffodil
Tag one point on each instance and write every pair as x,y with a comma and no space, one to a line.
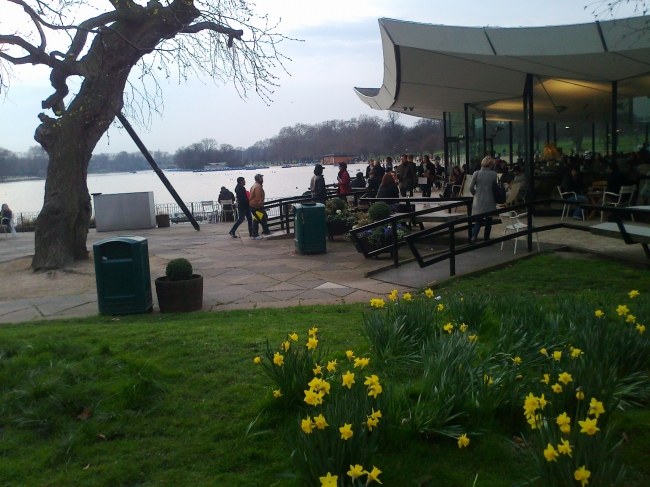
286,345
374,475
565,378
377,303
312,332
441,307
599,313
535,421
307,425
531,404
428,293
278,359
580,395
374,390
463,327
542,401
576,352
516,360
371,423
320,422
277,393
329,480
564,448
294,337
488,380
557,355
622,310
356,471
376,414
640,328
348,379
589,426
346,431
371,381
463,441
596,408
406,297
257,360
546,379
349,354
462,299
318,370
312,343
564,422
557,388
543,351
448,327
550,454
313,398
519,377
633,294
361,362
630,319
582,474
393,295
331,365
473,338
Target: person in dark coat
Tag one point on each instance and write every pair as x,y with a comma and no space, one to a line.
358,182
244,209
375,180
317,185
572,183
389,189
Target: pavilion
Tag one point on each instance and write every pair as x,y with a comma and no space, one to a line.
584,87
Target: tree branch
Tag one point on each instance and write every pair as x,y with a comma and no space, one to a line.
36,55
213,26
35,18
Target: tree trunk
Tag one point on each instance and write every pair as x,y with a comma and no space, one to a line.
62,226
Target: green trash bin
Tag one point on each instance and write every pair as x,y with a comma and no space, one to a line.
122,274
309,228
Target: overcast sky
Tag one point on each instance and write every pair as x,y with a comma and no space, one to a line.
341,49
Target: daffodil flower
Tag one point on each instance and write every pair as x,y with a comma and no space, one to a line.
348,379
312,332
546,379
372,380
640,328
582,474
377,303
441,307
331,365
622,310
286,345
633,294
565,378
371,423
463,327
448,327
346,431
589,426
312,343
393,295
277,393
557,355
257,360
543,352
550,454
557,388
473,338
307,425
463,441
576,352
361,362
376,414
278,359
564,422
406,297
373,475
356,471
630,319
580,395
488,380
318,370
320,422
564,448
428,293
599,313
596,408
329,480
374,390
294,337
349,354
516,360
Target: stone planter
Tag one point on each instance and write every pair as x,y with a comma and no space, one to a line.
180,296
162,221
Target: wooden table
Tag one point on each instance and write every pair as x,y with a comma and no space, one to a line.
439,216
594,198
637,233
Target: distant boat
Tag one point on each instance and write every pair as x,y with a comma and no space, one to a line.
134,172
286,167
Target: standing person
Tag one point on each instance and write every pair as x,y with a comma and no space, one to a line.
257,208
379,170
7,218
389,164
244,208
343,179
407,176
481,188
426,170
371,165
317,185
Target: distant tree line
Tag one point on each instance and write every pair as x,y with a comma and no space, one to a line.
364,137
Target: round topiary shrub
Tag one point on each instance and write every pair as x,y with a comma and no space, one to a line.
379,211
179,270
335,204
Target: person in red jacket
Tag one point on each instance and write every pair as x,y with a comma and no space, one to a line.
343,179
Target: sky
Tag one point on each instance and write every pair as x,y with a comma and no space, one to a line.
339,49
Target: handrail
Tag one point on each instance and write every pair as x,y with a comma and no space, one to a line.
394,246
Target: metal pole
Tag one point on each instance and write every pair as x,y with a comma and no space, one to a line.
467,141
484,134
607,139
444,138
614,121
548,132
555,133
593,140
531,137
395,246
510,141
125,123
452,251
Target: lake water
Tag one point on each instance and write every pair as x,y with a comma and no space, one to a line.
27,196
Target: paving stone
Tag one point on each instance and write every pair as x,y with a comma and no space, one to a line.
330,285
338,292
285,286
27,314
282,295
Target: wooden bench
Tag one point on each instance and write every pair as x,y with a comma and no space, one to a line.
631,234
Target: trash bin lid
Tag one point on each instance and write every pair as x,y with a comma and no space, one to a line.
121,238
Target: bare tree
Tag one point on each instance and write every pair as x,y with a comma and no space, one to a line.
184,37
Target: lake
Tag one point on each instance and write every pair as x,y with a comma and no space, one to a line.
27,196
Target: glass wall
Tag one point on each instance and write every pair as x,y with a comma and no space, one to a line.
633,114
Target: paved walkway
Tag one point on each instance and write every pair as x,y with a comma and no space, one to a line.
244,274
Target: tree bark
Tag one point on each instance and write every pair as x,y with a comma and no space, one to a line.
61,228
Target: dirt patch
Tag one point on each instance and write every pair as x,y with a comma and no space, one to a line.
20,282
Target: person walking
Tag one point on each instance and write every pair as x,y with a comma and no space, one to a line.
317,185
426,171
243,207
343,179
256,203
7,218
481,187
406,176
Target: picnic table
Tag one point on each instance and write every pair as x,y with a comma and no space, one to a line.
630,233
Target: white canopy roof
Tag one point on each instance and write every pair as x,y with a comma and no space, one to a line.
431,69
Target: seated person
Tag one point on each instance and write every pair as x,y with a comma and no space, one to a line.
375,180
358,182
7,218
227,195
456,179
389,189
522,178
572,183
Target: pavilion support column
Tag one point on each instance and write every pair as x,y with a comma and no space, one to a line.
607,139
614,121
510,141
593,140
467,141
548,132
529,128
445,147
484,135
555,133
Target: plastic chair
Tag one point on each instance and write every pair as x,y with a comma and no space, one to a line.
567,205
511,221
512,195
227,208
624,199
208,210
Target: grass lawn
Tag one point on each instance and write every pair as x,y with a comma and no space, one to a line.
167,400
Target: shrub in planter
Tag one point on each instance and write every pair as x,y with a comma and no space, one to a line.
338,217
379,211
180,291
